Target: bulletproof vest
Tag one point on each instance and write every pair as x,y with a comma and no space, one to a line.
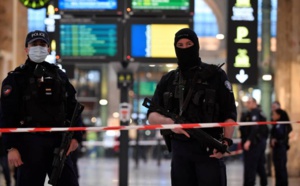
252,116
44,98
263,130
202,106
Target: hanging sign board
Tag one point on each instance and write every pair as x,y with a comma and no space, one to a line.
242,42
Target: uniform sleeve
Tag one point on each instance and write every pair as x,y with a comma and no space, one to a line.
159,91
71,103
226,99
10,108
71,100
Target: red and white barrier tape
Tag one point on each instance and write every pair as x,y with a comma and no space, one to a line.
143,127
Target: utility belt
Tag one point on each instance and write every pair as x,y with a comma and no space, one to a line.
33,124
41,125
47,134
281,142
180,137
204,148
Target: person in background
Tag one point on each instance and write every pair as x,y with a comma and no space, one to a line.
280,144
203,98
275,105
37,94
254,140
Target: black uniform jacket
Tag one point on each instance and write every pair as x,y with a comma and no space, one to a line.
11,100
224,98
255,132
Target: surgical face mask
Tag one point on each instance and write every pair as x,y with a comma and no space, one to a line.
38,53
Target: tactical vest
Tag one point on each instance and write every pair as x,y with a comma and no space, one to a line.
43,98
202,106
263,130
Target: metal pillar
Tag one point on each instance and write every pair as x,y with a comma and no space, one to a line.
123,155
266,69
265,65
125,81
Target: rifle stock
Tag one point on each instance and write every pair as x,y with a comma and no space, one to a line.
60,154
198,134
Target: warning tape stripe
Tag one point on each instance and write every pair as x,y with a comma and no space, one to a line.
143,127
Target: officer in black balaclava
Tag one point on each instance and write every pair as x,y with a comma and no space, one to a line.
197,92
187,57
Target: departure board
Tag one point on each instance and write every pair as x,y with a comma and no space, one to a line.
89,41
88,4
158,8
161,4
153,42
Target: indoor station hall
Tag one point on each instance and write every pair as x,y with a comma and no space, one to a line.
115,52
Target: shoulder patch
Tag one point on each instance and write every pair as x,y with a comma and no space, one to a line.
228,85
6,90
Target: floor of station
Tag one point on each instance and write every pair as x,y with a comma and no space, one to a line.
105,172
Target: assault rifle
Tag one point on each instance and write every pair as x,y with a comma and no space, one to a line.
60,153
198,134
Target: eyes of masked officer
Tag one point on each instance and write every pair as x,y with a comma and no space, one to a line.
184,43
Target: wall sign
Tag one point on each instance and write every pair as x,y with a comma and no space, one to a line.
242,42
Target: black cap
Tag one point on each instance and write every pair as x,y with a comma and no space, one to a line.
35,35
188,34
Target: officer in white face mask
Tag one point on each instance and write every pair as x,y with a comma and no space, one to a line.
37,94
37,46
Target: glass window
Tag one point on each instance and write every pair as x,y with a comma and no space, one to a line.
36,19
205,22
273,17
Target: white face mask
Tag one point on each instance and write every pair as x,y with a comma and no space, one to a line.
38,53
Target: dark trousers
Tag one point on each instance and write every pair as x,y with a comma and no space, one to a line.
254,162
192,166
37,155
280,160
5,168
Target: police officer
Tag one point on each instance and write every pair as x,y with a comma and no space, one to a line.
37,94
254,144
199,93
3,157
280,144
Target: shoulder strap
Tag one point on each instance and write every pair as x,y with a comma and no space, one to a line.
184,103
209,70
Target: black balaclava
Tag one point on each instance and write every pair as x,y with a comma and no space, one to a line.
187,57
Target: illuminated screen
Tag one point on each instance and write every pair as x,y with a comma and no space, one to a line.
89,41
154,40
88,4
161,4
242,52
174,8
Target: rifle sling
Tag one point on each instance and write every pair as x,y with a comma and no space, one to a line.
184,102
